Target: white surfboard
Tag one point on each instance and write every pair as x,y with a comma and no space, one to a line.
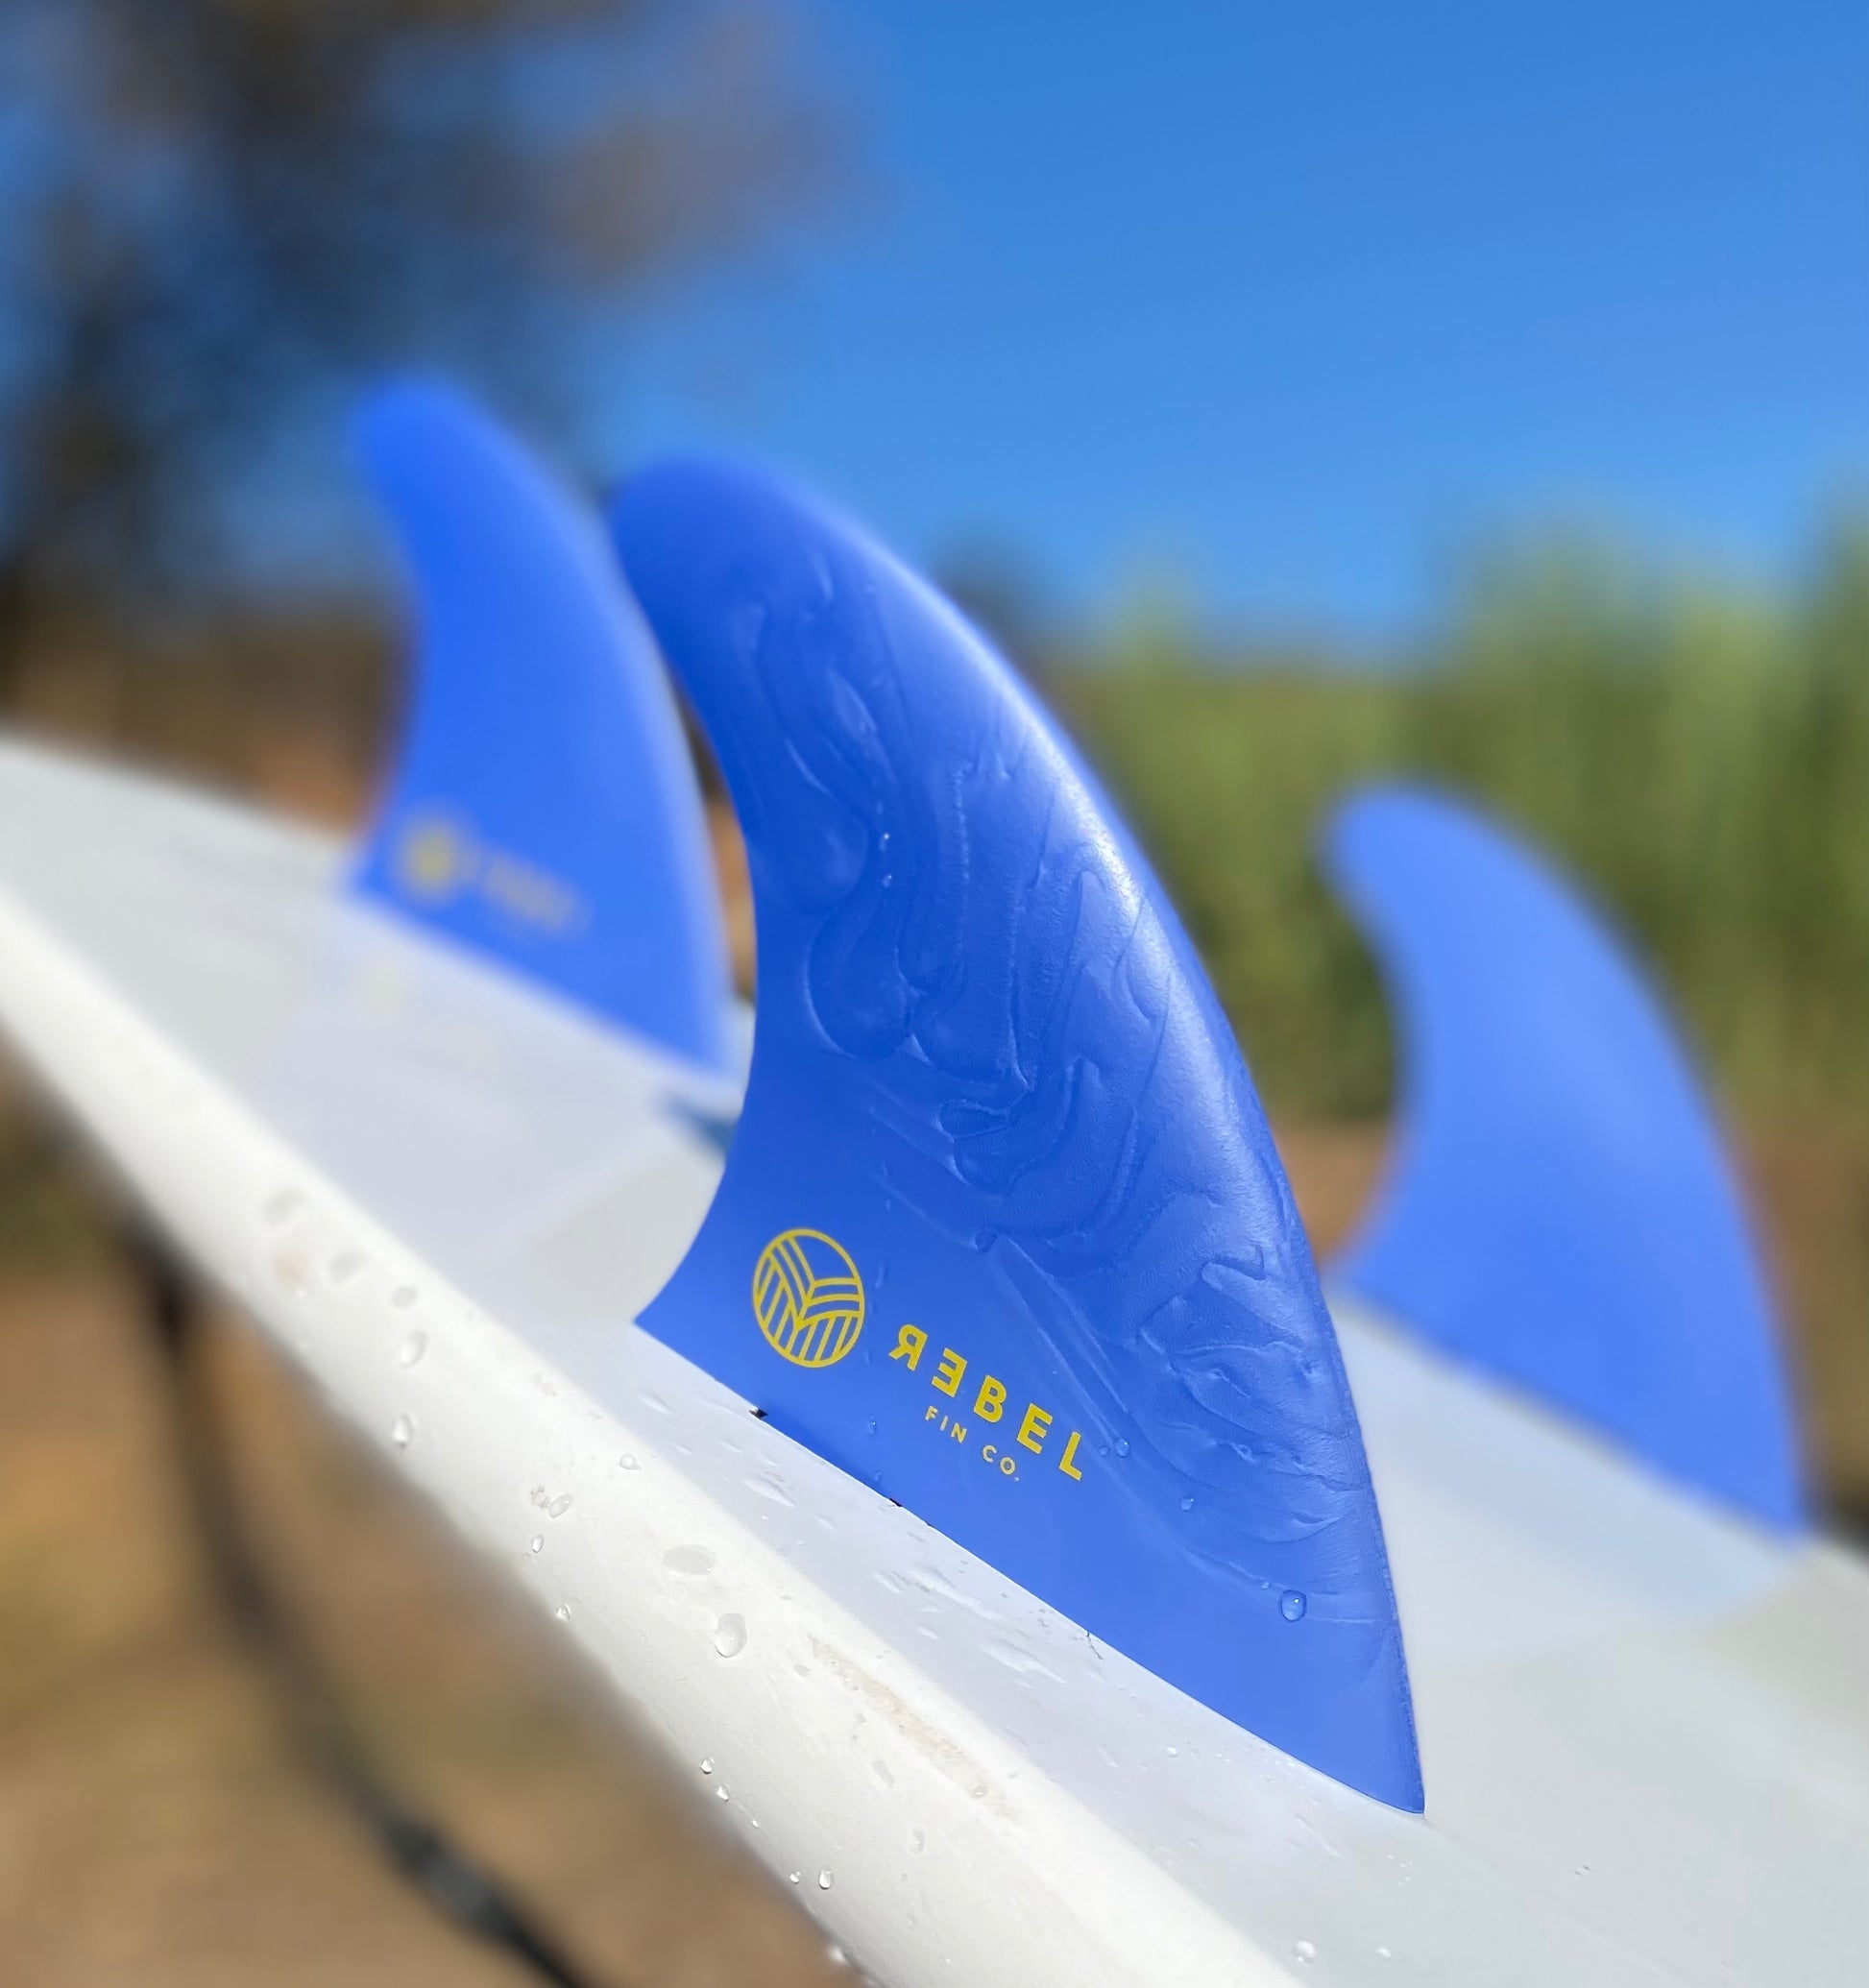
450,1193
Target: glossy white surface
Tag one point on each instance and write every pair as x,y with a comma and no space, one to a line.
1645,1735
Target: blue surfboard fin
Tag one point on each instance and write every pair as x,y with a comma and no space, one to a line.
544,810
1557,1209
1002,1232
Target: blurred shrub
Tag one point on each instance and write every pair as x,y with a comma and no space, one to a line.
1701,763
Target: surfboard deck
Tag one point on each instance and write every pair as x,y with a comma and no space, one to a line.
1643,1734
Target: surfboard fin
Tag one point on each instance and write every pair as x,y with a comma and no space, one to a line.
1003,1231
544,809
1557,1209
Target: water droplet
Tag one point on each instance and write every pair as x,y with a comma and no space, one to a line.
793,1877
707,1766
730,1636
824,1880
563,1613
1187,1504
401,1432
538,1543
1293,1605
1175,1752
403,1297
1305,1950
559,1506
688,1560
769,1487
1122,1445
834,1954
409,1353
628,1463
917,1840
1383,1953
292,1274
722,1793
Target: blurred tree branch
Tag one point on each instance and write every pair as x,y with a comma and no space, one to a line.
218,214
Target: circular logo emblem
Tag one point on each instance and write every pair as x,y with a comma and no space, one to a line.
808,1298
434,858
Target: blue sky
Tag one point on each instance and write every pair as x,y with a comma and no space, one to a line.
1296,306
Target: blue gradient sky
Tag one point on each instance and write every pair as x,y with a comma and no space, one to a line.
1300,304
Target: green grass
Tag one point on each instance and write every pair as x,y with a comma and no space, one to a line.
1700,762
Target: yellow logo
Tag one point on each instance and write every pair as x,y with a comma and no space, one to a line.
434,858
808,1298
